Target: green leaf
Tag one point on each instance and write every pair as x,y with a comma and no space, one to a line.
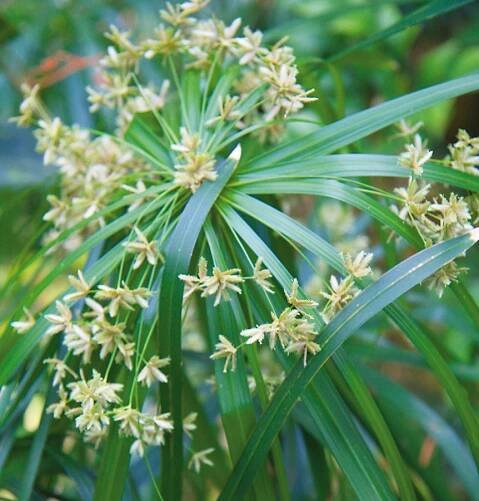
220,90
38,444
424,13
309,240
337,191
348,130
178,254
368,303
113,468
205,435
82,477
141,135
370,412
355,165
191,92
331,420
408,406
237,410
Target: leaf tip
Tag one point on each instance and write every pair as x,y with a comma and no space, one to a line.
235,155
474,234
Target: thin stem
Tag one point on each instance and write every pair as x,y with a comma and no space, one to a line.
207,88
180,94
152,476
163,123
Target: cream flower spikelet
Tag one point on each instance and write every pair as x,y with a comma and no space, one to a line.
225,349
415,156
151,371
25,324
143,249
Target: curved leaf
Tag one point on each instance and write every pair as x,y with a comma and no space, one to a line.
424,13
348,130
309,240
355,165
368,303
177,261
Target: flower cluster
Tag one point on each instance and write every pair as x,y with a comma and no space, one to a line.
203,45
92,171
341,291
261,92
100,332
464,153
439,217
222,282
194,165
415,156
218,85
146,429
293,329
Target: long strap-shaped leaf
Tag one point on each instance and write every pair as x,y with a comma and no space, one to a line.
407,405
368,303
418,16
355,165
343,132
312,242
331,420
234,396
343,192
177,261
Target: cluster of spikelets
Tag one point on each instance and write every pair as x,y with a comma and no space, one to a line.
95,169
96,322
440,217
100,332
295,329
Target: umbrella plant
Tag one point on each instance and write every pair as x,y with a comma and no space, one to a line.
196,293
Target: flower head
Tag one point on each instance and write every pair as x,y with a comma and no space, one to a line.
255,334
189,424
261,277
225,349
359,266
151,371
415,156
81,286
25,324
297,302
143,249
61,321
200,458
340,293
221,283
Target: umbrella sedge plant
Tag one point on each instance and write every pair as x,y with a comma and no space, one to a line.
202,321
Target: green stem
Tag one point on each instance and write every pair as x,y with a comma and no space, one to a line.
467,301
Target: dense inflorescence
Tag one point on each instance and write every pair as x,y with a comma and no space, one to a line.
105,322
441,217
102,325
